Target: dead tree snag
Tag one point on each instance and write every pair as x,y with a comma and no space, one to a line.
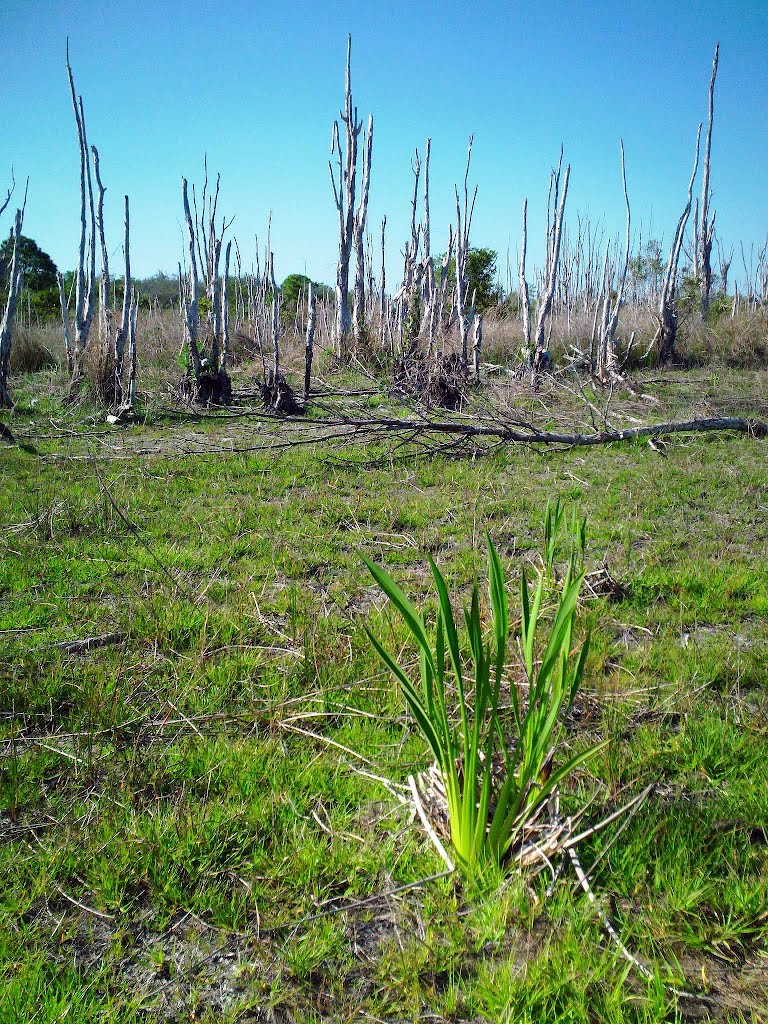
666,333
358,231
554,233
85,276
706,227
344,186
525,301
607,361
15,279
207,369
463,225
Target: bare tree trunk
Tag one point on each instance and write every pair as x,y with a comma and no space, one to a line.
463,225
607,368
275,321
65,320
707,224
191,310
446,315
383,315
15,278
130,401
666,333
361,215
105,312
553,255
86,267
225,311
344,197
477,345
525,301
123,334
311,314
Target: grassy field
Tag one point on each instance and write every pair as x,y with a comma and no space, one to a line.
192,825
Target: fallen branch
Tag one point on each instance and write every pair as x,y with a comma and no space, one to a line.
531,435
89,643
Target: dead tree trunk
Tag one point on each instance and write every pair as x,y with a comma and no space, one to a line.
463,225
525,301
123,334
15,279
107,338
554,234
477,345
225,313
211,381
429,286
86,266
311,314
666,333
344,197
707,224
607,361
358,231
192,291
383,312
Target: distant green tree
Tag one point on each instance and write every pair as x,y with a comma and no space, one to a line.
481,272
646,269
294,287
39,268
160,288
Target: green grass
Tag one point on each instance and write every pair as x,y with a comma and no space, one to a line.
198,784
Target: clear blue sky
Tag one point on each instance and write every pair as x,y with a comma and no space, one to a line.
257,86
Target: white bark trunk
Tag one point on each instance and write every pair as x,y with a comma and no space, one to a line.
707,223
15,279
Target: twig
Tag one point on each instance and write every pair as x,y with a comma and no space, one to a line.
428,825
613,934
82,906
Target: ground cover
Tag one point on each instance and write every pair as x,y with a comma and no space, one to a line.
192,825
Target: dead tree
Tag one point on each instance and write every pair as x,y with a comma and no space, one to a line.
724,263
311,316
607,362
666,333
446,313
477,345
85,276
15,280
208,368
554,233
706,223
429,285
408,297
525,301
125,336
114,339
358,231
344,189
463,225
383,310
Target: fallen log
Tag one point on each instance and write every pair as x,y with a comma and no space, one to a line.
532,435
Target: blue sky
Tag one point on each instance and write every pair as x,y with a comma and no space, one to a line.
258,86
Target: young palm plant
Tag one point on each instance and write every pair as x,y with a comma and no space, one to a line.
497,768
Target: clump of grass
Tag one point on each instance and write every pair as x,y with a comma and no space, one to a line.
30,353
495,786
